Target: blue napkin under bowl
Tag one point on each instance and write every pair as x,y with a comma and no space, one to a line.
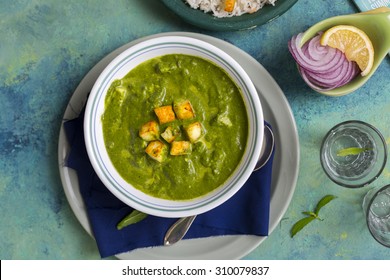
246,213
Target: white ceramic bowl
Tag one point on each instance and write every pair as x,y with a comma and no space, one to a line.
93,132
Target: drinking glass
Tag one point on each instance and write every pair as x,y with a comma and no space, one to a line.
353,154
376,206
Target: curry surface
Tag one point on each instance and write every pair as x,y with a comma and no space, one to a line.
218,105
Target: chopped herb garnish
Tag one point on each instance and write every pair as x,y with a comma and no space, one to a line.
352,151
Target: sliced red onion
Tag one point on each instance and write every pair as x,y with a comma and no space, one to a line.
327,61
321,67
332,77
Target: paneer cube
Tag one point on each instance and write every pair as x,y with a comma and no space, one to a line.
194,131
179,148
149,131
170,134
224,119
157,150
184,110
165,114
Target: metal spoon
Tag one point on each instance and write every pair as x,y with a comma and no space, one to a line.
178,230
266,148
375,23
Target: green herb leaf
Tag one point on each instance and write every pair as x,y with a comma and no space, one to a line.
309,213
300,225
325,200
351,151
134,217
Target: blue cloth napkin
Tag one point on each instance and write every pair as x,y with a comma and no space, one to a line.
246,213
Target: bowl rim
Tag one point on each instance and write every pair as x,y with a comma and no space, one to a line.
108,174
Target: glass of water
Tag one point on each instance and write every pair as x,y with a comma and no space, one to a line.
376,206
353,154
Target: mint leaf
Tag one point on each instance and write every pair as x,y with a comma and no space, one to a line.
134,217
325,200
298,226
309,213
351,151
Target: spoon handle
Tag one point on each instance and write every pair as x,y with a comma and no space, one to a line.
177,231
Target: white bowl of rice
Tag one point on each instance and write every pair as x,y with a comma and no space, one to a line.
229,8
228,15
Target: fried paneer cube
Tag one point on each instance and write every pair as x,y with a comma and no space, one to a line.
184,110
149,131
165,114
157,150
170,134
179,148
194,131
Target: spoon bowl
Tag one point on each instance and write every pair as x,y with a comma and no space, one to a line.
375,23
266,149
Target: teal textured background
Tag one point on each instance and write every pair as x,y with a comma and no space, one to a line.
48,46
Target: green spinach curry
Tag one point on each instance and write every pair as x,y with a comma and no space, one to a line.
207,145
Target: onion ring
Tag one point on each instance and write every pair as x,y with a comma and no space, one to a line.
321,67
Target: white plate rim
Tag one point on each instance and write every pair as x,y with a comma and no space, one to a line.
276,111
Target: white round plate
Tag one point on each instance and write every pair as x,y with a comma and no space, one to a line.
276,111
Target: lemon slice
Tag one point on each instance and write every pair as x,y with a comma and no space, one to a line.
353,42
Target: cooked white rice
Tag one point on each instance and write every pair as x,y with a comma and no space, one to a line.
217,6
